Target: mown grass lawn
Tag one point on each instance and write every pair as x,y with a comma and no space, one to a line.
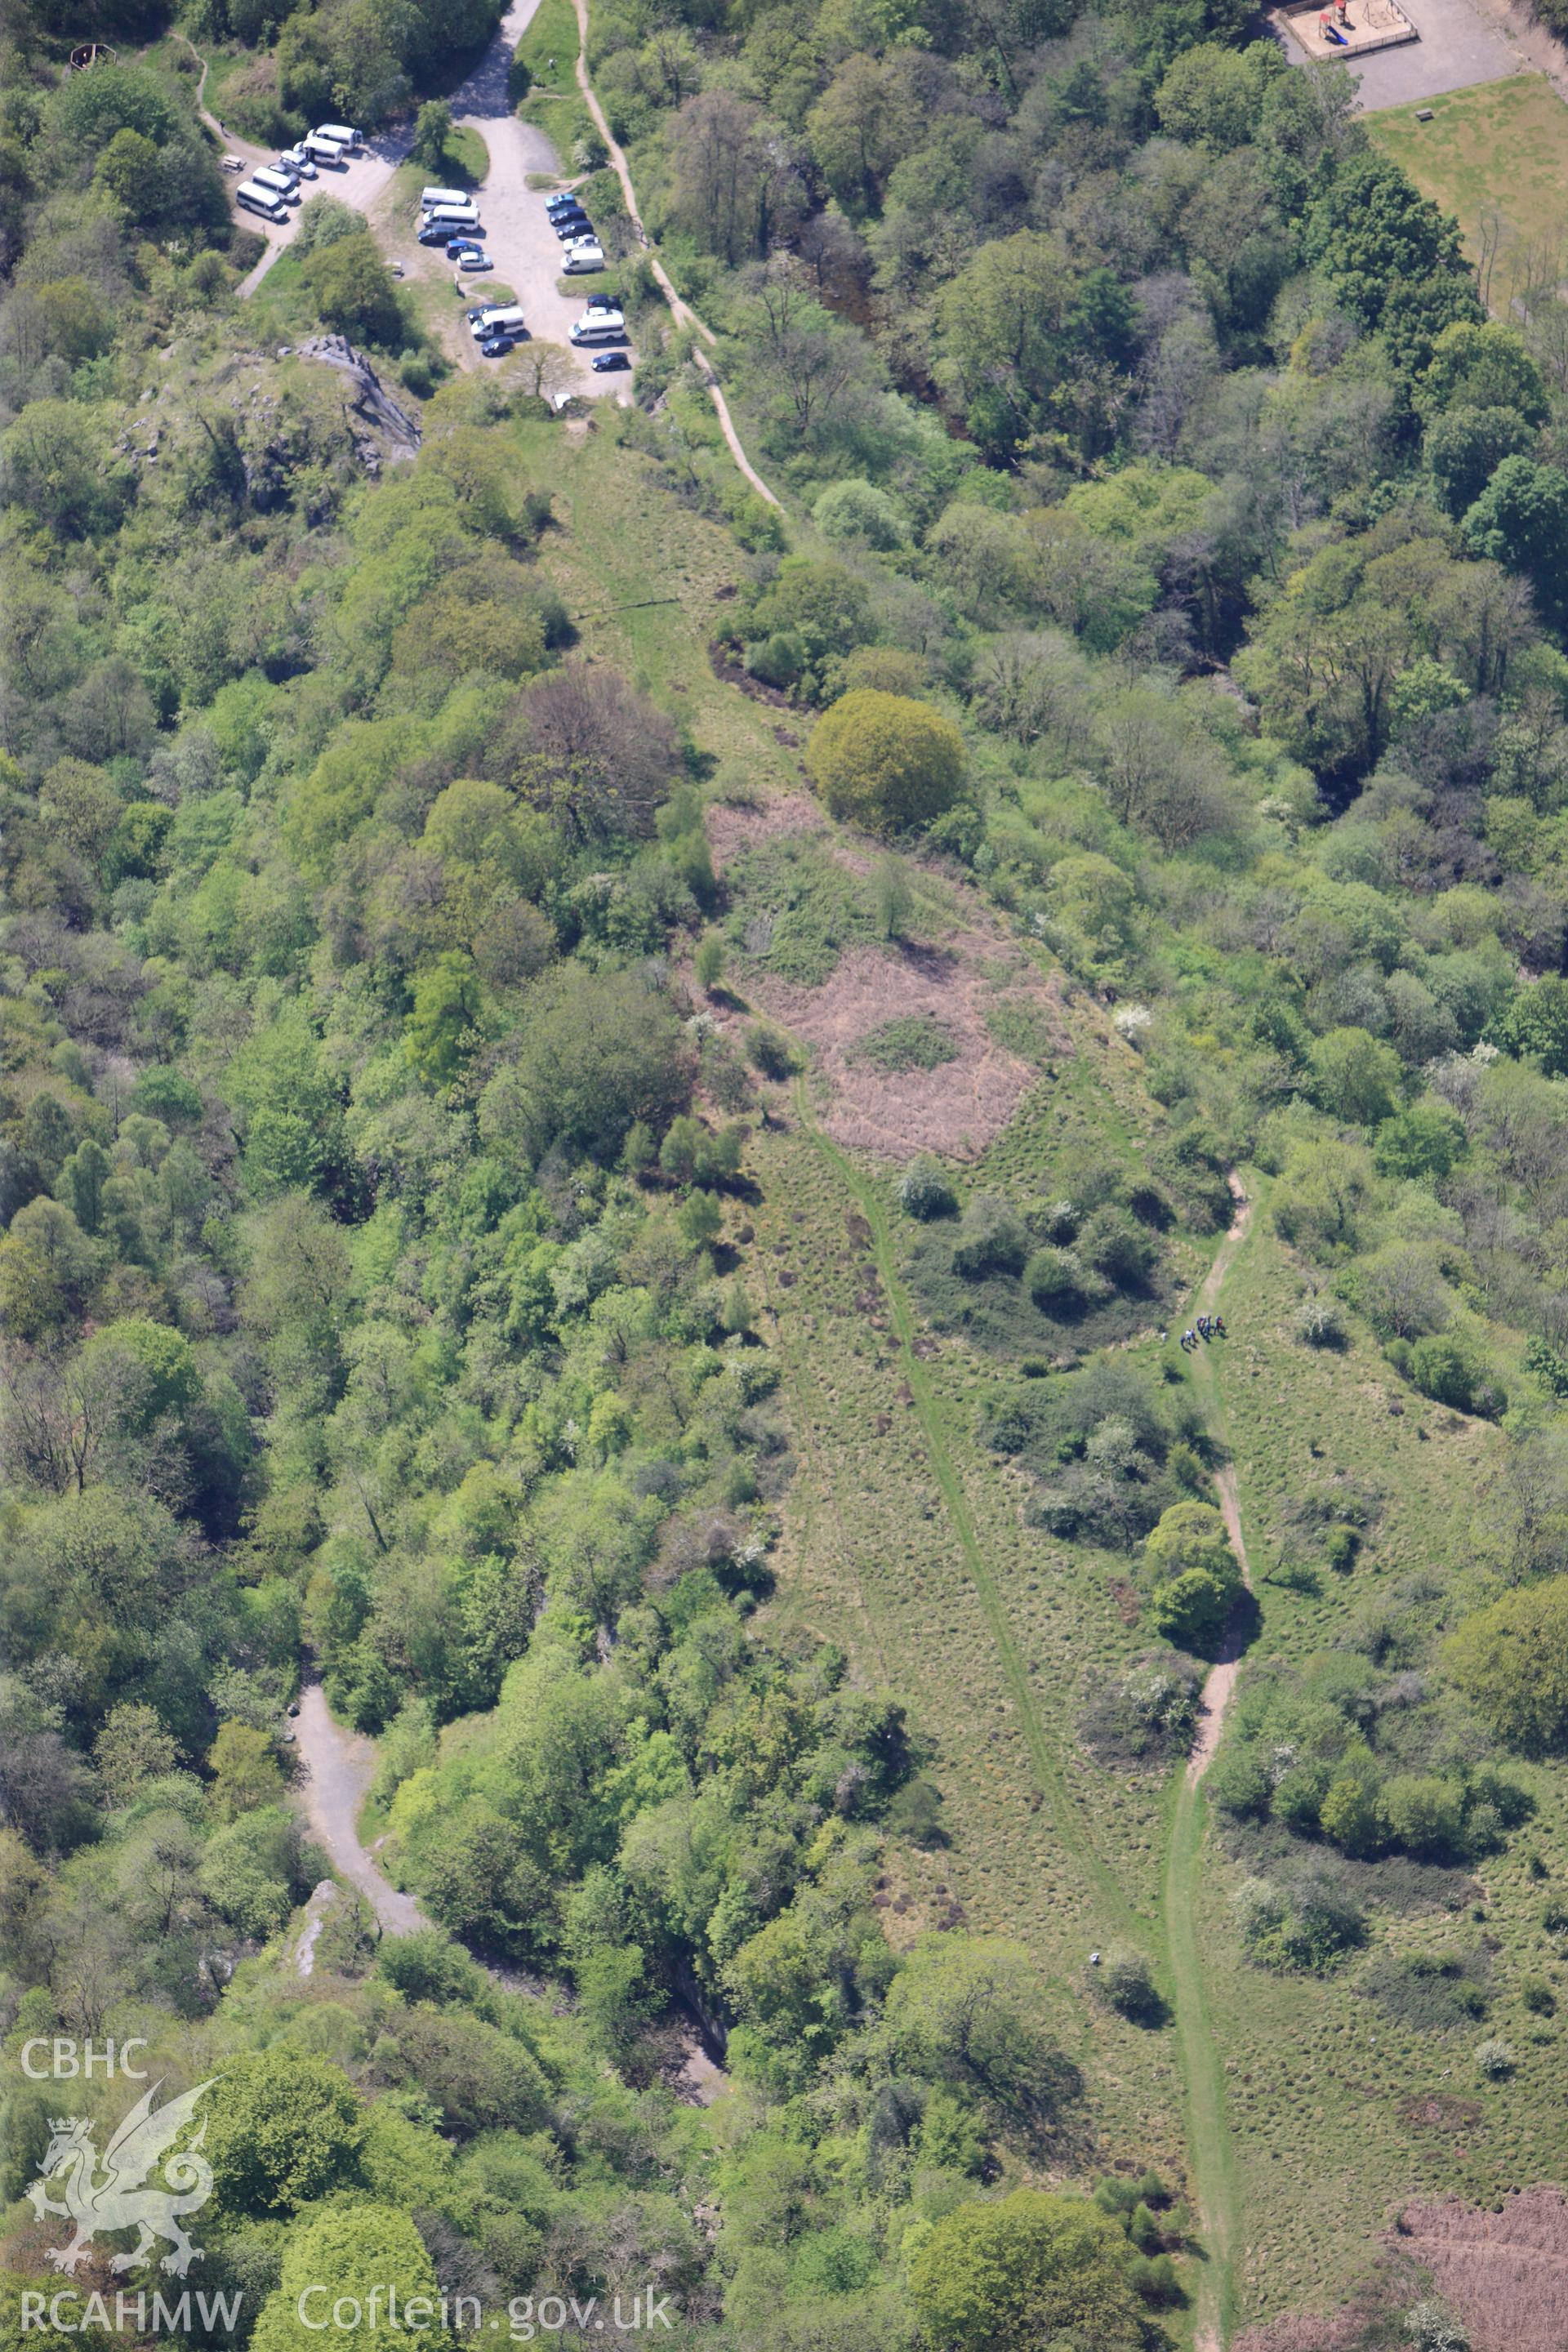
1497,157
467,157
549,49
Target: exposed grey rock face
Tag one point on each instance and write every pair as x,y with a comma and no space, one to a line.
373,402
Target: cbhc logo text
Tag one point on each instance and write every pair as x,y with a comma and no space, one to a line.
69,2059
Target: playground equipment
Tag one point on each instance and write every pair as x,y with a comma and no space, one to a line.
1342,29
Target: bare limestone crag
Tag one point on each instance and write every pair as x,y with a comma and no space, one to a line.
373,402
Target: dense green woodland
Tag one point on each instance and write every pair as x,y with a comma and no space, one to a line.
1174,551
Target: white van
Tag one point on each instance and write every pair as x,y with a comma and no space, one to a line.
581,259
505,320
428,197
598,327
252,199
453,216
344,136
283,184
327,152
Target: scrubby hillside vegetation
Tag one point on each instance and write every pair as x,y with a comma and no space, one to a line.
425,1261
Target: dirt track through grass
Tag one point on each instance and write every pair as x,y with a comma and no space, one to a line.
1208,2129
679,310
1210,2142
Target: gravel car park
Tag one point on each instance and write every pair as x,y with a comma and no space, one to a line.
546,285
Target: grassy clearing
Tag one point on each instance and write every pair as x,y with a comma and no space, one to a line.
466,157
932,1420
179,64
172,59
465,163
437,305
225,69
549,49
927,1574
280,309
1313,2107
1495,156
625,539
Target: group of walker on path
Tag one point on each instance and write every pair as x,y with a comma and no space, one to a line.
1207,1326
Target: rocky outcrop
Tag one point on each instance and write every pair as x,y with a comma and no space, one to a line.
372,400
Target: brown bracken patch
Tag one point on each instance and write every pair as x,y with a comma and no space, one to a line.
1505,2273
1389,2288
956,1108
736,825
959,1107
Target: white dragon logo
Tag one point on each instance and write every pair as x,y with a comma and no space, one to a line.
118,2201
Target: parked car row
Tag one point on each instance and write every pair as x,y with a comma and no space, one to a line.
273,189
584,250
449,217
499,327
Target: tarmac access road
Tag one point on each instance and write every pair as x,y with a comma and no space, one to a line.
338,1768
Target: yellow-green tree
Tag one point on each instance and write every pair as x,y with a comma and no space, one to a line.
1512,1660
1022,2273
245,1771
348,2263
886,761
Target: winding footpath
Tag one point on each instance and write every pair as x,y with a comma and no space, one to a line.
1209,2140
681,310
1210,2145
